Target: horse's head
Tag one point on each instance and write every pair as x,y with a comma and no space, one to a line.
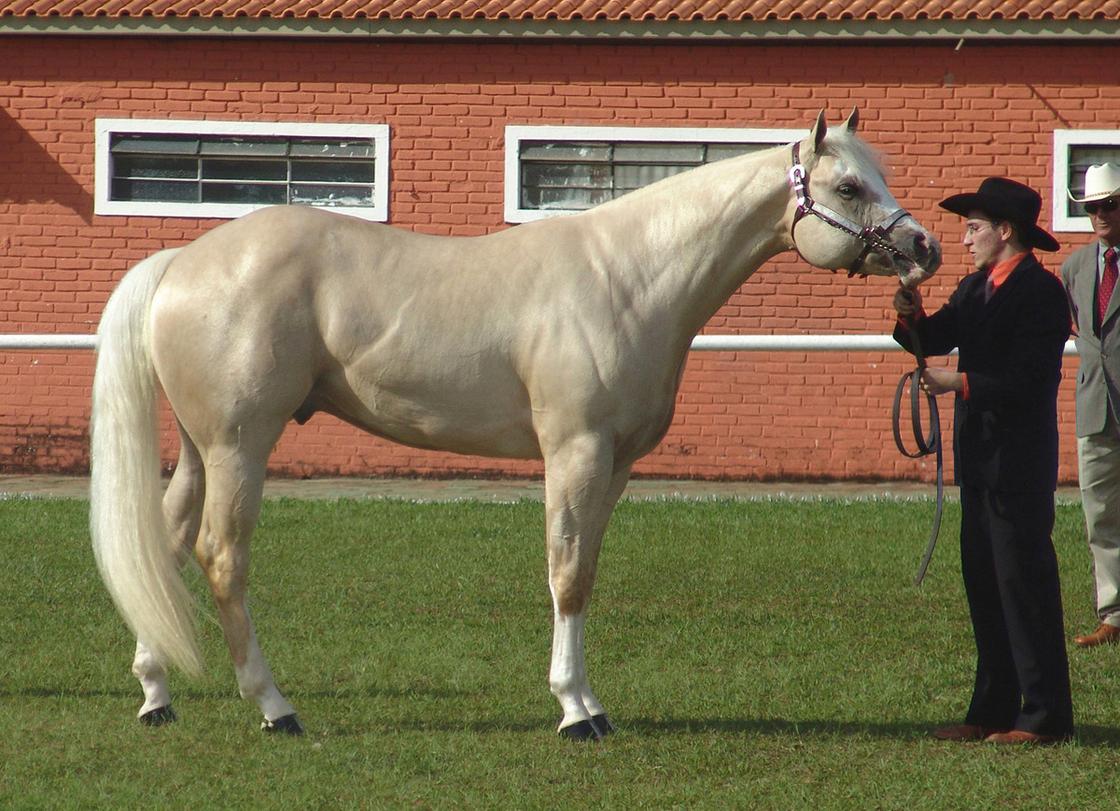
845,218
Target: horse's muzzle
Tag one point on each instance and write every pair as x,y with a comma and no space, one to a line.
923,258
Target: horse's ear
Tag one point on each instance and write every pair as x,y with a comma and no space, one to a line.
853,120
820,129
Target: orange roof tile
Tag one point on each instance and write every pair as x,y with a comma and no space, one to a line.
573,10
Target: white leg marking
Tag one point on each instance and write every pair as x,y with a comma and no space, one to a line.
153,680
567,676
255,682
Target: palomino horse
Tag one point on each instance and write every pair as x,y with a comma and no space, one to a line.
562,340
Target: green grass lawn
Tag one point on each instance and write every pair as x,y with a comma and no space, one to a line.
765,654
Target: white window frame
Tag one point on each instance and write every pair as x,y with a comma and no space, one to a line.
107,127
1063,140
516,133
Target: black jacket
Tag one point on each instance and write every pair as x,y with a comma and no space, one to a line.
1005,434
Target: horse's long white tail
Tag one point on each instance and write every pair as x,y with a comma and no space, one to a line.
131,541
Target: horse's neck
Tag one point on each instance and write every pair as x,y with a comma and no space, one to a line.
701,235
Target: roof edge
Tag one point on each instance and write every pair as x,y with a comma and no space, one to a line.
673,31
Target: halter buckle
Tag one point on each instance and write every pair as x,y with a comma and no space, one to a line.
797,177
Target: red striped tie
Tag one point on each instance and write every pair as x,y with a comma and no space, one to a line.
1108,282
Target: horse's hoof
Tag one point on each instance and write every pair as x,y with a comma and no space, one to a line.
582,731
288,725
603,723
159,716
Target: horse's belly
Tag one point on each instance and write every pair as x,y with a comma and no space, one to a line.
481,421
440,434
646,432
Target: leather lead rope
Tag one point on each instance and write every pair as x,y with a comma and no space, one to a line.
927,443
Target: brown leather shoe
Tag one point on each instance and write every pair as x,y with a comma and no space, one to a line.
1021,736
1104,635
963,732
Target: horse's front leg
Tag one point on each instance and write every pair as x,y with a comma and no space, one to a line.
581,490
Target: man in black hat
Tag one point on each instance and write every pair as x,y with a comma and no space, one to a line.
1010,321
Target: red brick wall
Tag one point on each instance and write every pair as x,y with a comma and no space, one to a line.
945,119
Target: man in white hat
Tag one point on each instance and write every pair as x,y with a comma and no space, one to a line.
1090,277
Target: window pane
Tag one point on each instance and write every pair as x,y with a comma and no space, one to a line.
628,178
154,166
261,147
244,170
244,193
562,175
717,152
568,152
334,171
164,144
319,194
659,153
154,191
314,148
565,199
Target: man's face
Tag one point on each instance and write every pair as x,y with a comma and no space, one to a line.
1105,218
983,239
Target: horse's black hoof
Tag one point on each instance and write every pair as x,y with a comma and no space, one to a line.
287,725
582,731
603,723
159,716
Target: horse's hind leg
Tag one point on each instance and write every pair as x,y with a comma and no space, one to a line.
581,490
182,509
234,485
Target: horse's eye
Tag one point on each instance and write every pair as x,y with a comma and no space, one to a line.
849,191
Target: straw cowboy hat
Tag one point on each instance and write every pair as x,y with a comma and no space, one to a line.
1008,201
1101,182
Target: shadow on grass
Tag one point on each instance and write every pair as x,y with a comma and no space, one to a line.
189,694
1087,736
67,692
1099,736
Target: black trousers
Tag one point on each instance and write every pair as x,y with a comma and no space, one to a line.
1014,597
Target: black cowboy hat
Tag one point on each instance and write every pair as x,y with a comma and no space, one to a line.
1006,201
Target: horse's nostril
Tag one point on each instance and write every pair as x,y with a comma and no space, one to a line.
926,250
921,247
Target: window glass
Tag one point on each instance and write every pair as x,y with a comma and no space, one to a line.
243,170
575,176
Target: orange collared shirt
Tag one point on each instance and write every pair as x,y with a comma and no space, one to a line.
999,272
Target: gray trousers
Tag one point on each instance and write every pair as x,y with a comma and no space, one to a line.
1098,458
